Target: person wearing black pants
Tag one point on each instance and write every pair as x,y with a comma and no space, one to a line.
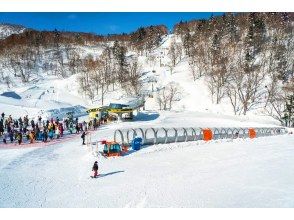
83,137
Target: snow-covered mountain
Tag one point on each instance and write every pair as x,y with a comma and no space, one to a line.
8,29
53,70
51,73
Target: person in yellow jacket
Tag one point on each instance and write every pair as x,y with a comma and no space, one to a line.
32,137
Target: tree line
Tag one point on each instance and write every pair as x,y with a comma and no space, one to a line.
246,58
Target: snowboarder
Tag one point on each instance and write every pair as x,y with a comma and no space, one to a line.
95,169
83,137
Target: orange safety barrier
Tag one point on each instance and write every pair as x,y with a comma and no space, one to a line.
252,133
207,134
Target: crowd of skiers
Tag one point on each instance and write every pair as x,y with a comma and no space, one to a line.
24,130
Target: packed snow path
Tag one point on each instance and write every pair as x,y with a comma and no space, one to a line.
238,173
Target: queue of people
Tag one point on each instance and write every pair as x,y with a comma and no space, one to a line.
25,130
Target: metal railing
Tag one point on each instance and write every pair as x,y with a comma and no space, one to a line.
163,135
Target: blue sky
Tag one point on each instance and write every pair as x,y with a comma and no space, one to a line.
99,22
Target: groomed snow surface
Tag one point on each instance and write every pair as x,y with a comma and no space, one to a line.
228,173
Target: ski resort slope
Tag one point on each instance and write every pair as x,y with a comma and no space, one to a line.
228,173
47,93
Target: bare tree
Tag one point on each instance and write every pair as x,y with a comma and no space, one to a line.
175,53
168,95
171,67
152,61
248,82
133,86
218,76
199,57
275,105
6,79
23,64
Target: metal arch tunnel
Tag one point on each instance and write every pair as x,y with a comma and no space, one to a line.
163,135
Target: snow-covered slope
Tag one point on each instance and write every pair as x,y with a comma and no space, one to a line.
8,29
236,173
50,93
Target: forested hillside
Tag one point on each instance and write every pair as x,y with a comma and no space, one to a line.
245,60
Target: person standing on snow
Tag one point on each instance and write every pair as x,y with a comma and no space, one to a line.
95,123
11,136
19,138
61,129
32,137
77,128
33,124
95,169
45,135
4,138
1,127
83,137
57,132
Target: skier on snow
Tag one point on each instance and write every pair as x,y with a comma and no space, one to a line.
95,169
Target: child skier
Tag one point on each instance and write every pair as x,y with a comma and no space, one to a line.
95,169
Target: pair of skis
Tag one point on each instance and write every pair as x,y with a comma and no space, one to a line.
95,177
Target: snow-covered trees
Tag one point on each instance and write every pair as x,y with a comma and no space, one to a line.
217,75
133,85
168,95
175,53
23,63
245,58
112,69
145,39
